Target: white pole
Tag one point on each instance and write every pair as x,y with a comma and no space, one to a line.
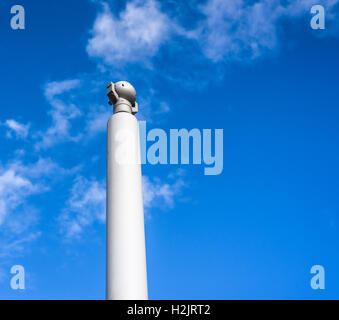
126,274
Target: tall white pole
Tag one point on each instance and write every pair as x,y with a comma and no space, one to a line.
126,274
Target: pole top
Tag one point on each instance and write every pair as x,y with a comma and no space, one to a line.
122,96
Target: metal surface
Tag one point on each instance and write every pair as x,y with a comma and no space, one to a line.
126,277
122,96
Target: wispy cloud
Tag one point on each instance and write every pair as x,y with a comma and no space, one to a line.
85,206
56,88
158,194
224,32
152,105
18,246
243,30
74,110
14,189
41,169
87,202
237,30
17,129
61,113
96,121
18,181
18,219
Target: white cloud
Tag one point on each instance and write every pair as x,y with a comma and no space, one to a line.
13,190
87,202
240,30
152,105
70,123
55,88
229,30
20,130
19,181
18,246
159,194
19,219
135,35
296,8
85,206
61,113
40,169
97,120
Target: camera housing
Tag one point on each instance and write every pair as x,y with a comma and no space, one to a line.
122,96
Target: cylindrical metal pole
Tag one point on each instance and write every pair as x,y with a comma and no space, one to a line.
126,277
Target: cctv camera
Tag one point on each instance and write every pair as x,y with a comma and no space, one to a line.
122,96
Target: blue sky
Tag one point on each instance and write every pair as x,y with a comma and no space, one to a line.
255,69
